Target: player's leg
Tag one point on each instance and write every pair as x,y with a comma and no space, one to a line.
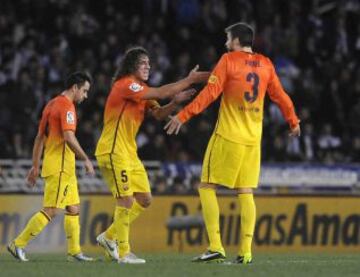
142,199
107,239
247,180
127,208
211,215
213,172
247,211
141,187
122,223
72,221
221,165
117,175
39,220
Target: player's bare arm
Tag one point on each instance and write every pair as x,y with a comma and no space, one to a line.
161,113
169,90
36,157
74,145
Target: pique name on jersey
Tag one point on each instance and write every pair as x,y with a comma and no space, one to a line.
252,63
135,87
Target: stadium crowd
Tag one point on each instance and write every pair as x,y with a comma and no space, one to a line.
315,46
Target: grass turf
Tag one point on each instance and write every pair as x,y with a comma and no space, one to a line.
172,265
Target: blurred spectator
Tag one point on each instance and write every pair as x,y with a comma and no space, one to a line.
329,144
160,186
194,185
178,187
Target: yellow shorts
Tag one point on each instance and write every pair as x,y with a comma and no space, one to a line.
123,178
231,164
61,190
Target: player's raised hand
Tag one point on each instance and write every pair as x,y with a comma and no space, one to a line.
184,95
173,126
32,176
198,76
89,168
295,132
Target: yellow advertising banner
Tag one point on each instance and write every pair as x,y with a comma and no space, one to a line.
173,223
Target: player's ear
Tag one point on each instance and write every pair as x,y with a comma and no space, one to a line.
75,87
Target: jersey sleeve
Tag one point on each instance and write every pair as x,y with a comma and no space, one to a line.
280,97
133,90
212,90
68,118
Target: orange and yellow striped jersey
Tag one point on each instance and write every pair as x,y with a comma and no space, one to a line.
243,79
124,112
58,116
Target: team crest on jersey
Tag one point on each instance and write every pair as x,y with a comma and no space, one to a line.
135,87
70,117
212,79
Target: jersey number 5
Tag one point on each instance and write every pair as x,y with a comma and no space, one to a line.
124,177
255,88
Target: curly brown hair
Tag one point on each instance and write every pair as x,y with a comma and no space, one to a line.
129,64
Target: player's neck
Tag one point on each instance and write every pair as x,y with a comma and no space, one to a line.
69,95
246,49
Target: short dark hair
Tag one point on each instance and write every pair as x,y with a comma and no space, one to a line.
130,61
243,32
77,78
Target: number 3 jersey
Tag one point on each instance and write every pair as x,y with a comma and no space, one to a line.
243,79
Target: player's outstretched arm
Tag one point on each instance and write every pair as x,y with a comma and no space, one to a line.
170,90
36,157
162,112
72,142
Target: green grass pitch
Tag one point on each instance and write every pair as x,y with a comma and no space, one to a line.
172,265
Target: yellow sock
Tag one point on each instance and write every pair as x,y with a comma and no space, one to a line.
248,217
34,226
110,232
122,222
72,231
135,211
211,214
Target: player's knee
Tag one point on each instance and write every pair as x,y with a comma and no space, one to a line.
51,212
73,209
143,199
146,201
206,186
126,201
245,190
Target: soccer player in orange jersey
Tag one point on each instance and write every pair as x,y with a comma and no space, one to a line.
232,158
116,152
56,135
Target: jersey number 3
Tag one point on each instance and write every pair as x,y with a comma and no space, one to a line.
251,97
